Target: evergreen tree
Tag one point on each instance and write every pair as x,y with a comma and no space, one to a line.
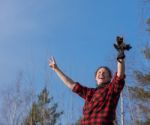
43,112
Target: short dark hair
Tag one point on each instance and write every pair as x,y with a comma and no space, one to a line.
105,67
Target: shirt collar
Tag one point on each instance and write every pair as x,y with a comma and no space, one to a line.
102,85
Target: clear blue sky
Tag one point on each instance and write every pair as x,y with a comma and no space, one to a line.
78,33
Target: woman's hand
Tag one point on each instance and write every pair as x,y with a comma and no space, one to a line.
52,63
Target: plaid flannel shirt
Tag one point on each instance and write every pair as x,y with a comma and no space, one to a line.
101,102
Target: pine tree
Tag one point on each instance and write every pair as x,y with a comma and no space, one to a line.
43,112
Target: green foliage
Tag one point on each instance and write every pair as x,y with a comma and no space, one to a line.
43,111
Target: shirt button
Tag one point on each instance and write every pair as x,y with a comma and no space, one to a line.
93,100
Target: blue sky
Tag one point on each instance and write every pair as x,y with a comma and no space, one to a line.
78,33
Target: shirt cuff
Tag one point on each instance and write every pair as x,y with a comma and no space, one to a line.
76,87
119,78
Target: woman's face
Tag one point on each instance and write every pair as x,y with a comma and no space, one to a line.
102,76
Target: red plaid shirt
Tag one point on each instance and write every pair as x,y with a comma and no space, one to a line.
100,103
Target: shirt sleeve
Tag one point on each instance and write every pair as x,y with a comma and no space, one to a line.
117,83
82,91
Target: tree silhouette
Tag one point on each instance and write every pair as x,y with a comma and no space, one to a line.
43,112
141,92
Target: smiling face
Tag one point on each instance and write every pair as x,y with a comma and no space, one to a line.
102,76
